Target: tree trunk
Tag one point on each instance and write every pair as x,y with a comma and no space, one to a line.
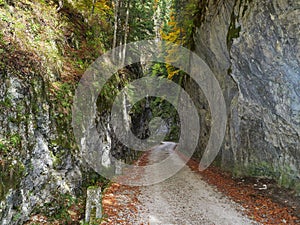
115,25
126,31
60,5
93,7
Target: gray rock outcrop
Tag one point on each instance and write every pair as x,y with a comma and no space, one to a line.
253,49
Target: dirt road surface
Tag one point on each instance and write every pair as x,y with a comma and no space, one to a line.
185,199
182,199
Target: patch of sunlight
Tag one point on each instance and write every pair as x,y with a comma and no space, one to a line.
153,219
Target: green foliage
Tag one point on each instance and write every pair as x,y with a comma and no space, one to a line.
162,14
97,33
12,141
141,27
1,42
158,70
179,29
180,26
17,216
4,147
61,203
101,8
94,179
110,90
61,98
233,31
27,24
12,169
6,103
5,17
15,140
64,43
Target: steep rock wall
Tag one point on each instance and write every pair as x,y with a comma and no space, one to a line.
253,49
35,165
40,161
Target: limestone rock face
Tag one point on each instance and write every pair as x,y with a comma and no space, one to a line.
253,49
40,161
34,167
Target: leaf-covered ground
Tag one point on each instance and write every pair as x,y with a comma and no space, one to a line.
264,201
120,202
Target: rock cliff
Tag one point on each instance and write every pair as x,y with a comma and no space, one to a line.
253,49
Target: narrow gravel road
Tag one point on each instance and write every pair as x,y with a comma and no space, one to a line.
184,199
